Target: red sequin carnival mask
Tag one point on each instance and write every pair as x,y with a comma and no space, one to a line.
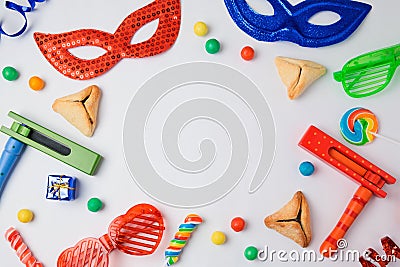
118,45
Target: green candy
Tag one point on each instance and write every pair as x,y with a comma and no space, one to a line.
251,253
212,46
10,73
94,204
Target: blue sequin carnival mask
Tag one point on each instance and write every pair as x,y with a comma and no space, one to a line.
291,23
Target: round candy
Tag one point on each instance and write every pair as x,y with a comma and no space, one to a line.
358,126
238,224
25,215
251,253
212,46
94,204
36,83
200,28
247,53
306,168
218,238
10,73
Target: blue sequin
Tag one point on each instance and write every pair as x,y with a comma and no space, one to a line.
291,23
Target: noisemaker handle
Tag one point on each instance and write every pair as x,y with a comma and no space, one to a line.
355,206
11,153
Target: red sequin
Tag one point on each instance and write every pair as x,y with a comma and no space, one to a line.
55,46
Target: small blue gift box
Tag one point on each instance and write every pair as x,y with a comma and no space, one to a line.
61,187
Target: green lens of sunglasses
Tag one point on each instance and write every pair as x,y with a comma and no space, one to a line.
369,73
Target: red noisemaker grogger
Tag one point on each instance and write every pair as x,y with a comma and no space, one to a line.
370,177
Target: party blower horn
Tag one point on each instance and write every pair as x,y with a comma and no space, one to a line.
138,232
370,177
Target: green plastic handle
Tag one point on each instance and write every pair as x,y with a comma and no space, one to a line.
79,157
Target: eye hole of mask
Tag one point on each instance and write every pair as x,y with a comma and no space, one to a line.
87,52
262,7
145,32
324,18
295,2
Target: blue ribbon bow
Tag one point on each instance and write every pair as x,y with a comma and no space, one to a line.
22,10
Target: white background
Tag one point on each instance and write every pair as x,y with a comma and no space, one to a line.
58,225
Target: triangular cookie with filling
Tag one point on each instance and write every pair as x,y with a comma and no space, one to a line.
298,74
80,109
293,220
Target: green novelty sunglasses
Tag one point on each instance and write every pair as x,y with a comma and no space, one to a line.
369,73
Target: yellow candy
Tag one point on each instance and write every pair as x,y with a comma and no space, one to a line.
218,238
35,83
200,28
25,215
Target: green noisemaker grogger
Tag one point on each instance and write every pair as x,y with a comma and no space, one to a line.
53,144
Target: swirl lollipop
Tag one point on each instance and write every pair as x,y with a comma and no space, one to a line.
138,232
177,244
359,126
22,250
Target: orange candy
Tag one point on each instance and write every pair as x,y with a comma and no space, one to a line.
36,83
247,53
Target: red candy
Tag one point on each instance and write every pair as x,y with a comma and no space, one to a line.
238,224
247,53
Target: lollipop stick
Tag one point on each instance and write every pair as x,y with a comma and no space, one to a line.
386,138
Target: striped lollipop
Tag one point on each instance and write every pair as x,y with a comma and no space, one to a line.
176,245
23,252
359,126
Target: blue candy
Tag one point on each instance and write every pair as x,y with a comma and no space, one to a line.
306,168
291,23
